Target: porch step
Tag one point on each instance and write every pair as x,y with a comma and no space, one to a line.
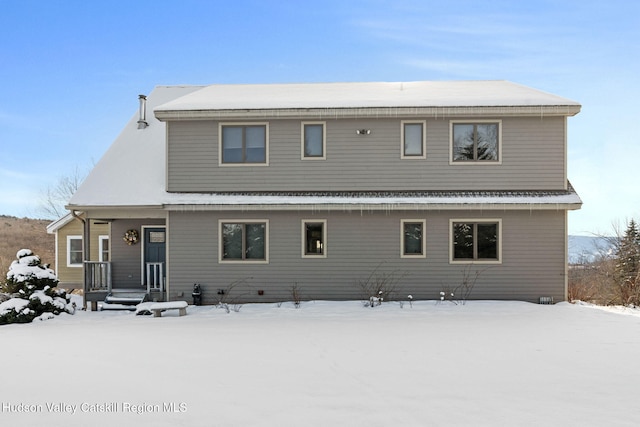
107,306
127,298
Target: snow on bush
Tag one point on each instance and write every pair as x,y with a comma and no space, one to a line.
30,293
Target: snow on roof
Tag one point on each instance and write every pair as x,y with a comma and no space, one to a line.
398,199
132,171
59,223
497,93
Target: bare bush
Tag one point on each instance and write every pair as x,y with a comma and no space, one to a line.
379,286
296,296
228,302
592,282
458,294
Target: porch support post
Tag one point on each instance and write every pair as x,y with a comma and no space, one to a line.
86,251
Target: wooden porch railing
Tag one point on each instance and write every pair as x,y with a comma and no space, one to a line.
97,276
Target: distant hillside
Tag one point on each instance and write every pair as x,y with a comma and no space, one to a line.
588,248
24,233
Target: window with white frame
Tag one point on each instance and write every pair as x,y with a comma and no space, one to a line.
413,138
475,141
412,238
244,144
244,241
313,141
314,238
476,241
103,247
74,251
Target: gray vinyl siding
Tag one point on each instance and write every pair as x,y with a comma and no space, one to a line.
533,263
126,260
532,159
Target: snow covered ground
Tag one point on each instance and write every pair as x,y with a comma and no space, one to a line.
327,364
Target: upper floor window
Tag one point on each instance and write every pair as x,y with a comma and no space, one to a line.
412,238
74,251
244,144
475,241
313,141
475,141
413,138
314,238
244,241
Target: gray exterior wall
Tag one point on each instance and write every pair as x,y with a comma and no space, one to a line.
533,158
533,256
126,260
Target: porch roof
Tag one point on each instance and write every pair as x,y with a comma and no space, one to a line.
367,200
543,199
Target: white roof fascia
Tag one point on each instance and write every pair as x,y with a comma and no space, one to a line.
345,113
59,223
388,207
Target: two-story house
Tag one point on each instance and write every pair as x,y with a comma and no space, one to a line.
253,190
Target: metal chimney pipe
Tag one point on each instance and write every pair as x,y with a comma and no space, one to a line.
142,121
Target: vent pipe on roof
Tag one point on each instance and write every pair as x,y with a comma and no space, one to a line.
142,122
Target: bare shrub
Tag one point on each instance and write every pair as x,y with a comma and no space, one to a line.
379,286
459,294
296,296
593,282
228,302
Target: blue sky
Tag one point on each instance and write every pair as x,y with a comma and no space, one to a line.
72,71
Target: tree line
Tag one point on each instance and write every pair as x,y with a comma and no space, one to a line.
613,277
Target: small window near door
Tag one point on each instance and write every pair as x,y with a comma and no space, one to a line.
103,241
74,251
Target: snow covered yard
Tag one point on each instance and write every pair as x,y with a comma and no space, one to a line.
326,364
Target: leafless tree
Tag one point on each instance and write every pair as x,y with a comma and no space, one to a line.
56,196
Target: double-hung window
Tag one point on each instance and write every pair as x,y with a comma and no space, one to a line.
314,238
476,241
412,238
413,139
475,142
244,144
314,141
74,251
244,241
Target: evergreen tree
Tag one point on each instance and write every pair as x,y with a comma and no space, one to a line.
30,291
627,267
